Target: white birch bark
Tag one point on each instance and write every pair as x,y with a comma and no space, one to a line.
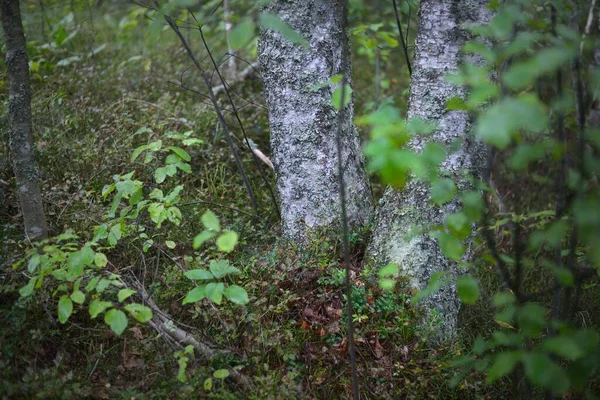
303,122
438,44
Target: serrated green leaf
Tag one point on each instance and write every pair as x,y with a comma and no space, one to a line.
543,371
202,237
214,292
199,274
100,260
504,363
98,306
442,190
78,297
458,225
451,247
117,320
236,294
211,221
227,241
195,295
526,113
140,312
222,268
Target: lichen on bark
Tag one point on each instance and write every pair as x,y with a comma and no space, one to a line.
403,217
304,124
19,122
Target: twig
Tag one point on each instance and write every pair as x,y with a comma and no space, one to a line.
398,23
213,100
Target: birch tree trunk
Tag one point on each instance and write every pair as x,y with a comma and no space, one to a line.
19,122
303,122
438,43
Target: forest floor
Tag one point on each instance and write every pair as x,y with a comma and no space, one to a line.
90,114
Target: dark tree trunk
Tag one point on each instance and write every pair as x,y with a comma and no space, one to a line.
19,122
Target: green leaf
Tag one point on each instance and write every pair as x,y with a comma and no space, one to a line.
526,113
208,383
442,190
195,295
170,244
78,297
138,151
435,283
565,346
222,268
473,205
100,260
387,284
98,307
199,274
92,284
140,312
180,152
525,73
33,263
125,294
227,241
210,221
59,274
157,213
388,270
160,174
502,299
336,98
117,320
115,234
532,319
468,289
221,373
236,294
28,289
272,21
65,308
102,285
242,33
504,363
458,225
77,261
451,247
543,371
202,237
214,291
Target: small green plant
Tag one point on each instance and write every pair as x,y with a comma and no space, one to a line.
215,289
